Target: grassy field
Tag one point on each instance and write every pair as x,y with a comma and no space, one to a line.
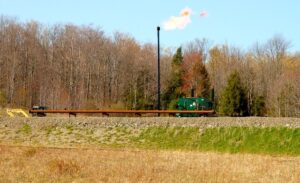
31,152
27,164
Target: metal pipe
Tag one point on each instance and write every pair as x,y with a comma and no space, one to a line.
158,69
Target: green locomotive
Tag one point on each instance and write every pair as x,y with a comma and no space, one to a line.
193,104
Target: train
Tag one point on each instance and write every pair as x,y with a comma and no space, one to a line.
194,104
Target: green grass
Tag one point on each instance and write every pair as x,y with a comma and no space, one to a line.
275,140
225,139
26,129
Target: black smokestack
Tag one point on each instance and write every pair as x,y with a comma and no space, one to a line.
158,69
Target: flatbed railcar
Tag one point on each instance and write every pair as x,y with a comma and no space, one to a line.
186,107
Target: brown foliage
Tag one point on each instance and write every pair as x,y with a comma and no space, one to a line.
69,66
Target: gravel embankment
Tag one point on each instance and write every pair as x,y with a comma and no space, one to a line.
89,131
136,122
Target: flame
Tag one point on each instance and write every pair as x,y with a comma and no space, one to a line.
178,22
186,12
181,21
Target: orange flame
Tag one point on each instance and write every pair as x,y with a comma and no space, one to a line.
186,12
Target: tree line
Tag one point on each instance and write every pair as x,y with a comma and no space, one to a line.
80,67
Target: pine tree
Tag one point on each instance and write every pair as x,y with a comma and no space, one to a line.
173,90
258,106
233,100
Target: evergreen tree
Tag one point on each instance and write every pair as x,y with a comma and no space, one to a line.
173,90
233,100
258,107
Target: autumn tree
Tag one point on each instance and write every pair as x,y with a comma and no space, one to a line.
269,64
195,78
223,60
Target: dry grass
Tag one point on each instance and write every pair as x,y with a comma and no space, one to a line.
28,164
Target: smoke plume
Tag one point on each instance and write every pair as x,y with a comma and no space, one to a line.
182,20
178,22
203,13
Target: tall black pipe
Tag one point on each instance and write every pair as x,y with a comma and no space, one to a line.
158,70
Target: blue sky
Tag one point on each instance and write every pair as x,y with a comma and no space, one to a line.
236,22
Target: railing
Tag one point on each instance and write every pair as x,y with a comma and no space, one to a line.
107,112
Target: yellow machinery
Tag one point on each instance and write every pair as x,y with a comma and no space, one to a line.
11,112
